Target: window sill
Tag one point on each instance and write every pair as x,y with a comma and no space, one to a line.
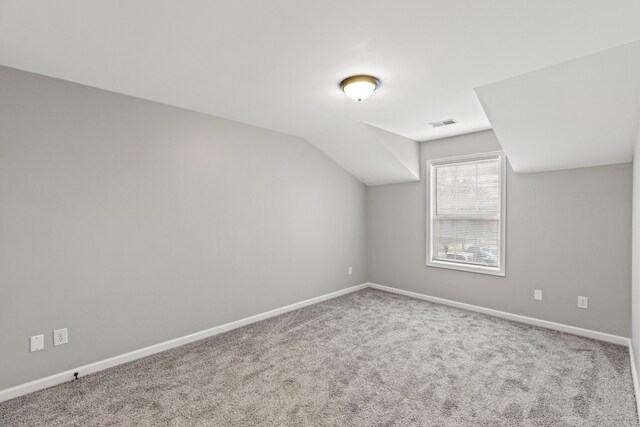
493,271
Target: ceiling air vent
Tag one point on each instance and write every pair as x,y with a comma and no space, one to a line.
443,123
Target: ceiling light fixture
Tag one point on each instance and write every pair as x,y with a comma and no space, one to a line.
359,87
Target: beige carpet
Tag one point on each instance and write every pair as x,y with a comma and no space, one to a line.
368,358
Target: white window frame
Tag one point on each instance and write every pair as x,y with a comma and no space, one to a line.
431,194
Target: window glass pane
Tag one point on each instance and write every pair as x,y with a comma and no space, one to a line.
471,241
466,216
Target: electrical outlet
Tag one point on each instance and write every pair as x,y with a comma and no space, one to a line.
60,337
537,295
37,342
583,302
350,270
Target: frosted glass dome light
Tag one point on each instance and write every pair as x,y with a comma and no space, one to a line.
359,88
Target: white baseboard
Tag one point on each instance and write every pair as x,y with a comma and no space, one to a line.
634,375
601,336
61,377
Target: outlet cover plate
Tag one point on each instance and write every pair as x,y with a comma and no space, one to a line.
60,337
537,295
36,343
583,302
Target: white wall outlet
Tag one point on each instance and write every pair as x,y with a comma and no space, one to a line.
583,302
37,342
537,295
60,337
350,270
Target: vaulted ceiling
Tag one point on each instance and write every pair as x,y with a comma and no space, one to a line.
583,112
277,65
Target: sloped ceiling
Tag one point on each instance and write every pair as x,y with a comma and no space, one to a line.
583,112
277,64
373,155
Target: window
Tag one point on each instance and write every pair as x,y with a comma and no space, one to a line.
466,220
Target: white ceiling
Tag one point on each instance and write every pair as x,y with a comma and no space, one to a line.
389,158
583,112
277,64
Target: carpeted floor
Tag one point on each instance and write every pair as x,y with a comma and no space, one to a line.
368,358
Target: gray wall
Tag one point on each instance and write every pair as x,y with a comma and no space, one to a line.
568,234
131,223
635,275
